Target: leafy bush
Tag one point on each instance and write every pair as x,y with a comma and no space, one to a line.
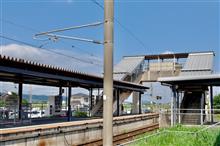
210,137
80,114
216,103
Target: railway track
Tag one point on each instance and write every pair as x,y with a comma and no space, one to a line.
124,137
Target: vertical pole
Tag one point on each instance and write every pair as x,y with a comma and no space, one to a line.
178,106
60,98
97,97
20,89
148,70
69,105
118,104
173,107
108,73
140,109
60,91
159,69
174,64
91,99
201,108
211,103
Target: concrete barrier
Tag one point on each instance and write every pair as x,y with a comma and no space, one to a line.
71,133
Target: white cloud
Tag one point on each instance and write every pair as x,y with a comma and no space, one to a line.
168,52
45,57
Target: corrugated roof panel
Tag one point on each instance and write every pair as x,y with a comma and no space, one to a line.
192,73
186,78
128,64
119,76
198,64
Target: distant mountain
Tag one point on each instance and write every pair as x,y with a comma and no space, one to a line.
39,98
36,98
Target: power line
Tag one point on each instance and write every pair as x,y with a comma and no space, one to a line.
31,29
79,49
20,25
49,50
122,26
70,28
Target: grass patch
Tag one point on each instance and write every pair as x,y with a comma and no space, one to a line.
210,137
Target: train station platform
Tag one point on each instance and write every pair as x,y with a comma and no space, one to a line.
76,132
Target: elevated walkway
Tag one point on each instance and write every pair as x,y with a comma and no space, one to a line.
138,69
193,81
129,69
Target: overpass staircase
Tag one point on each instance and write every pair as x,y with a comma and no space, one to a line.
196,64
129,69
191,104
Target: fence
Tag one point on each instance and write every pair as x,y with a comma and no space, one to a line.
33,113
210,118
189,117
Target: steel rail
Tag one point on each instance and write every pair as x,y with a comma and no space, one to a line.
124,137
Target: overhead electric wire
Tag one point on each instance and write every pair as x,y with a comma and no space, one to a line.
80,49
70,28
122,26
49,50
41,46
57,36
20,25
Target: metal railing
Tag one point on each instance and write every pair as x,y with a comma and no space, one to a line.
190,116
206,113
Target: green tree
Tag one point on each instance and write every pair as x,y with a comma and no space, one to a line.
2,103
24,101
216,102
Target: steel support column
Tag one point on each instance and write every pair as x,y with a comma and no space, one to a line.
173,107
202,101
140,103
20,93
91,99
97,97
60,93
178,107
211,103
118,101
69,104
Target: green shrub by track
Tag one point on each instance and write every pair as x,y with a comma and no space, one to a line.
210,137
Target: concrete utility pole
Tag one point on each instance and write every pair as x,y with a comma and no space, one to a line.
108,73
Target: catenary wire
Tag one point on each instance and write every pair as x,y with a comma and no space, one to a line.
49,50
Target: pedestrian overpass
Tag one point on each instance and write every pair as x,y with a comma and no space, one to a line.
129,73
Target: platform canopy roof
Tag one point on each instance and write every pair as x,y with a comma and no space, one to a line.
28,72
198,80
162,56
198,64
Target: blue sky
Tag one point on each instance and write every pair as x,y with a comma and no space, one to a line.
175,26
